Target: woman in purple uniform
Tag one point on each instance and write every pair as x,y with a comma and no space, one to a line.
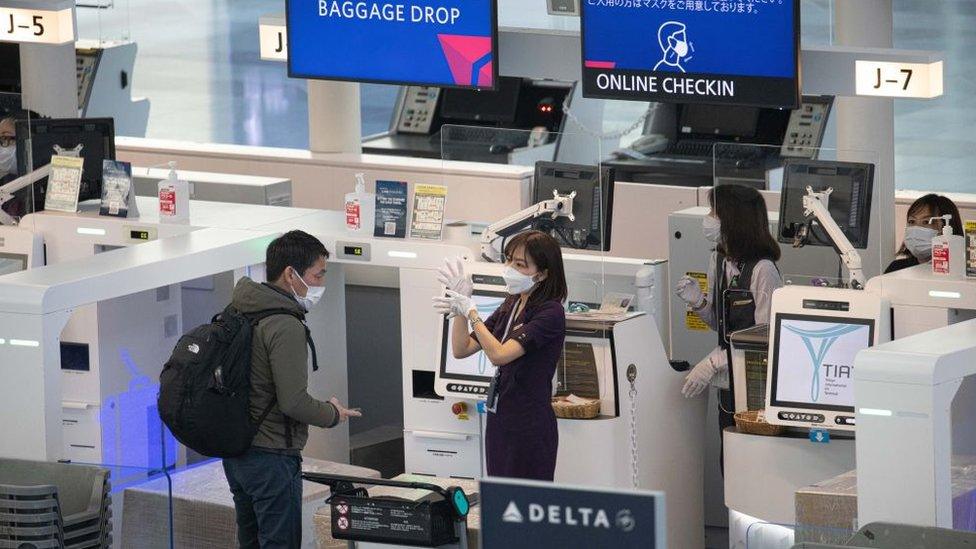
524,340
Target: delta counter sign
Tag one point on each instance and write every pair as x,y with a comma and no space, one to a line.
447,43
691,51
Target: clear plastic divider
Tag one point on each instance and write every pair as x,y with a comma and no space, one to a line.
19,195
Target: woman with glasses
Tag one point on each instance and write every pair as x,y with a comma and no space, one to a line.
924,223
8,157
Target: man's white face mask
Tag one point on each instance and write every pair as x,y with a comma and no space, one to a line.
313,294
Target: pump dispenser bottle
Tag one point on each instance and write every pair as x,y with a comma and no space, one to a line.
174,198
948,252
360,208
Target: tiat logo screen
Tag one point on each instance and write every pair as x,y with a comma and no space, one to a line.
447,43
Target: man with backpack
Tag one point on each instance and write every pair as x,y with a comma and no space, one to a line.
266,479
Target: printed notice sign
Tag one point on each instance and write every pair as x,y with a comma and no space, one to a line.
391,209
428,212
64,183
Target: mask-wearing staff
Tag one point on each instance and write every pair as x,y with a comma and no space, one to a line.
921,228
22,204
8,147
524,340
742,276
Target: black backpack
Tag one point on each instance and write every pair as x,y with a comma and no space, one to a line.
205,386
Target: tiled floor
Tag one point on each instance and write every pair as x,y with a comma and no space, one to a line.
198,63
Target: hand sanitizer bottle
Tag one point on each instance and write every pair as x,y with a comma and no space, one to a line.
174,198
360,208
948,251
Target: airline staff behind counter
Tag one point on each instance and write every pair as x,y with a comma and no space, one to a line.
742,275
524,339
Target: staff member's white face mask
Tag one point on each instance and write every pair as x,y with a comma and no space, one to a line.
712,229
8,160
516,282
918,241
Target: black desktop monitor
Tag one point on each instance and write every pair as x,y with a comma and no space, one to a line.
718,122
9,68
849,203
498,106
96,135
592,206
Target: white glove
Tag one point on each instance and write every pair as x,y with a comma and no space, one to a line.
442,306
454,304
690,292
452,276
698,379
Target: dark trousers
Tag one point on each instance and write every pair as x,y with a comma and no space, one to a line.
267,490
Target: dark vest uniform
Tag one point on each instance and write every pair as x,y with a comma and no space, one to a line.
734,309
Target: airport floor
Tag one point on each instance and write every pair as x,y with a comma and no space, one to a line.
198,63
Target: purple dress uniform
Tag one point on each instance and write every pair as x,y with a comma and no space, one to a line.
521,436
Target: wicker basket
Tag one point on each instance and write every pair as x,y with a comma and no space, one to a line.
747,422
569,410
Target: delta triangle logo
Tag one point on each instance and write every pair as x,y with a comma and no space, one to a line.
512,514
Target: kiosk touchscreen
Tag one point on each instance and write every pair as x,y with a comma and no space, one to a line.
470,377
815,335
20,250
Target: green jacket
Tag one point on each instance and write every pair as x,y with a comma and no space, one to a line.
279,366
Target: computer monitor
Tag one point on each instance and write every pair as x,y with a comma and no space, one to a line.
592,206
424,42
500,105
95,135
849,203
9,68
475,368
12,263
718,122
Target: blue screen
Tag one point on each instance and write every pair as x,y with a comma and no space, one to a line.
449,43
725,44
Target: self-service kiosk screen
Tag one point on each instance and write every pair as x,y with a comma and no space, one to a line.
813,360
475,367
447,43
12,263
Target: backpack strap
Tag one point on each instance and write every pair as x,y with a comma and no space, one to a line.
255,319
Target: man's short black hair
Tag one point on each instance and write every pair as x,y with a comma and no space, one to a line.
296,249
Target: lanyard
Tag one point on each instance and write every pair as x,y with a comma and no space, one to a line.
511,319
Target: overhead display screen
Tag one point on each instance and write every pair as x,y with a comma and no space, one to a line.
814,360
718,52
446,43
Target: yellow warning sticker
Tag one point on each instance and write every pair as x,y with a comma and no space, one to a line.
692,320
970,229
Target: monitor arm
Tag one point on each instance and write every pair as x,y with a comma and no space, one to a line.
815,204
7,190
493,238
